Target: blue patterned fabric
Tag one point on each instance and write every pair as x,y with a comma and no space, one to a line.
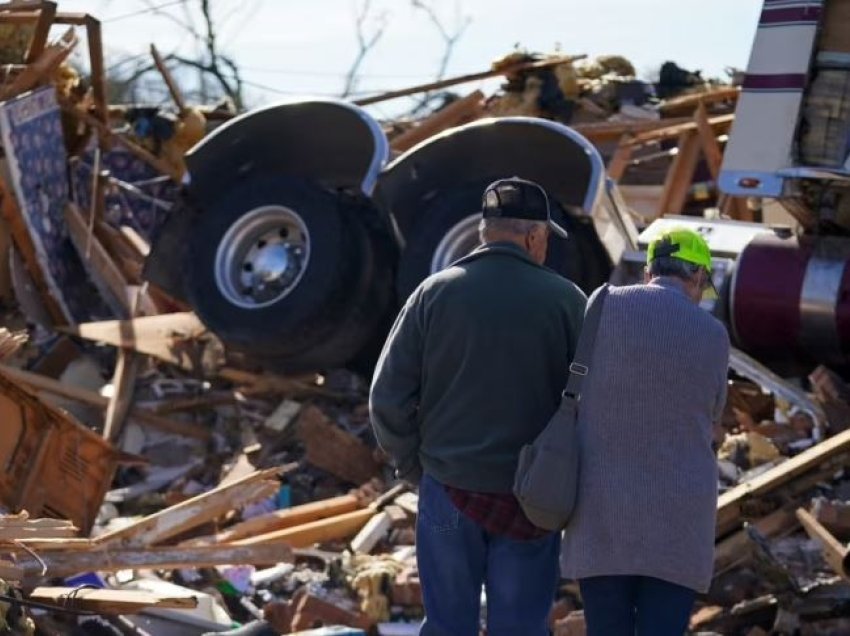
35,150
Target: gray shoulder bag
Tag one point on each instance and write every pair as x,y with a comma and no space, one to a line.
546,480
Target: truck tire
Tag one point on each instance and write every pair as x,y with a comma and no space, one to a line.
369,308
447,228
272,269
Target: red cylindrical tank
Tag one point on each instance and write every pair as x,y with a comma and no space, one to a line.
791,297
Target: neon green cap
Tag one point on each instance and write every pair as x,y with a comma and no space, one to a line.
686,245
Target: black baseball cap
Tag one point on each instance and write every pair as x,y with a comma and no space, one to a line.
517,198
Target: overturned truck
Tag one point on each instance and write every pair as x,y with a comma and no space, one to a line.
298,237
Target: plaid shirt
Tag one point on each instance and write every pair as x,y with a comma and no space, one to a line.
497,513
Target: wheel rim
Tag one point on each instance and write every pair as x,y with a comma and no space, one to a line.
457,243
262,257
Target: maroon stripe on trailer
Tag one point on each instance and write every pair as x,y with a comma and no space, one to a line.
790,15
777,82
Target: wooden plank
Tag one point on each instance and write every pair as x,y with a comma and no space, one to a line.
176,95
63,563
196,511
281,519
136,240
157,336
106,601
680,176
336,528
607,131
123,385
729,504
462,109
104,273
834,552
335,450
143,417
463,79
42,29
14,534
41,70
686,104
371,534
9,571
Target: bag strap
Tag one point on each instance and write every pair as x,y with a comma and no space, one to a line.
580,366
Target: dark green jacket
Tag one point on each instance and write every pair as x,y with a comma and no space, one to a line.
474,368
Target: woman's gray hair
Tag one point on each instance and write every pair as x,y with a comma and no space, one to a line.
669,266
498,225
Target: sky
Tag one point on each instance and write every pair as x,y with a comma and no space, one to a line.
295,47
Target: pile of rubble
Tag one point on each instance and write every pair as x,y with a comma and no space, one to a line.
156,483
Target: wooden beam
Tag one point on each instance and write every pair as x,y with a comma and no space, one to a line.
336,528
686,104
463,79
469,107
63,563
107,601
42,30
41,70
123,386
730,504
196,511
680,175
176,95
141,416
282,519
16,534
721,123
834,552
606,131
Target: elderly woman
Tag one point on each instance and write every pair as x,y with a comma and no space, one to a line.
641,541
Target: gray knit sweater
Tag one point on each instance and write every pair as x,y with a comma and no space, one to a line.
648,479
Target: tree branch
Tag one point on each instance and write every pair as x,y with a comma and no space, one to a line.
365,43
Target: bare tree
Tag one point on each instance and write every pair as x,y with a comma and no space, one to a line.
218,73
365,42
450,37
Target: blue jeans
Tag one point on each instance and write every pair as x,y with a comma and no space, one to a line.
635,606
457,557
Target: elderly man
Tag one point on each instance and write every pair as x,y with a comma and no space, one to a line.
641,541
472,370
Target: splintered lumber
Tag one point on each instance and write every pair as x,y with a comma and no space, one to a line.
62,563
335,450
817,458
335,528
16,534
519,67
722,123
835,553
141,416
710,145
42,30
109,601
161,337
291,517
680,175
469,107
196,511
